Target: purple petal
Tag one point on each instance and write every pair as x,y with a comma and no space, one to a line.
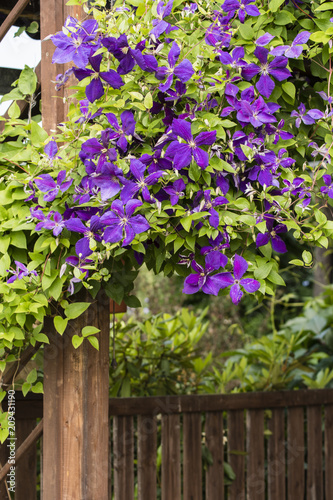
201,157
184,70
139,224
250,285
128,122
302,37
113,234
236,294
262,239
265,85
44,182
278,245
205,138
94,90
264,39
112,78
75,225
182,128
240,266
82,248
131,206
173,55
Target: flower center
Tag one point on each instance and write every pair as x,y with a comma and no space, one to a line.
192,144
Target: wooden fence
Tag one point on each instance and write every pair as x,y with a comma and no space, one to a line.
279,445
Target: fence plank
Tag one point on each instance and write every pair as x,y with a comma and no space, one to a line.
276,459
123,452
214,443
147,449
255,445
315,459
328,450
192,472
171,483
236,453
26,470
295,447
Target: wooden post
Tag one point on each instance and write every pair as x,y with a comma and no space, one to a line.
76,418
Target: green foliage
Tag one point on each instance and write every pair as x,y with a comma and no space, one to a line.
160,356
300,355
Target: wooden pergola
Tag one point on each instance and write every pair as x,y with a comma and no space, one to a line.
75,421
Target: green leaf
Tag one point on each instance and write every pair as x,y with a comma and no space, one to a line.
274,5
77,341
325,6
274,277
41,337
25,388
32,377
27,81
246,31
94,342
38,134
148,101
4,243
307,257
132,301
18,239
60,324
14,111
126,388
290,90
75,309
296,262
263,271
38,388
89,330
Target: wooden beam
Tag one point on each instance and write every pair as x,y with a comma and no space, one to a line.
12,16
25,446
76,404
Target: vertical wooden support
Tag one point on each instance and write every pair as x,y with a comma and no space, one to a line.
214,442
26,469
171,478
147,449
236,453
295,459
192,467
276,459
328,450
315,453
76,406
52,17
255,480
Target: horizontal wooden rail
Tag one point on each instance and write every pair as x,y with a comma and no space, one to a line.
12,16
25,446
216,402
32,406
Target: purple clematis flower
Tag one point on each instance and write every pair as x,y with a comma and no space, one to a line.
183,70
109,180
77,46
91,233
129,57
202,279
320,150
191,9
276,68
161,26
328,189
119,221
46,184
272,235
209,207
234,59
127,128
155,162
278,132
20,272
95,89
56,225
175,191
141,183
295,49
249,285
243,7
182,153
93,148
256,113
307,117
216,245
